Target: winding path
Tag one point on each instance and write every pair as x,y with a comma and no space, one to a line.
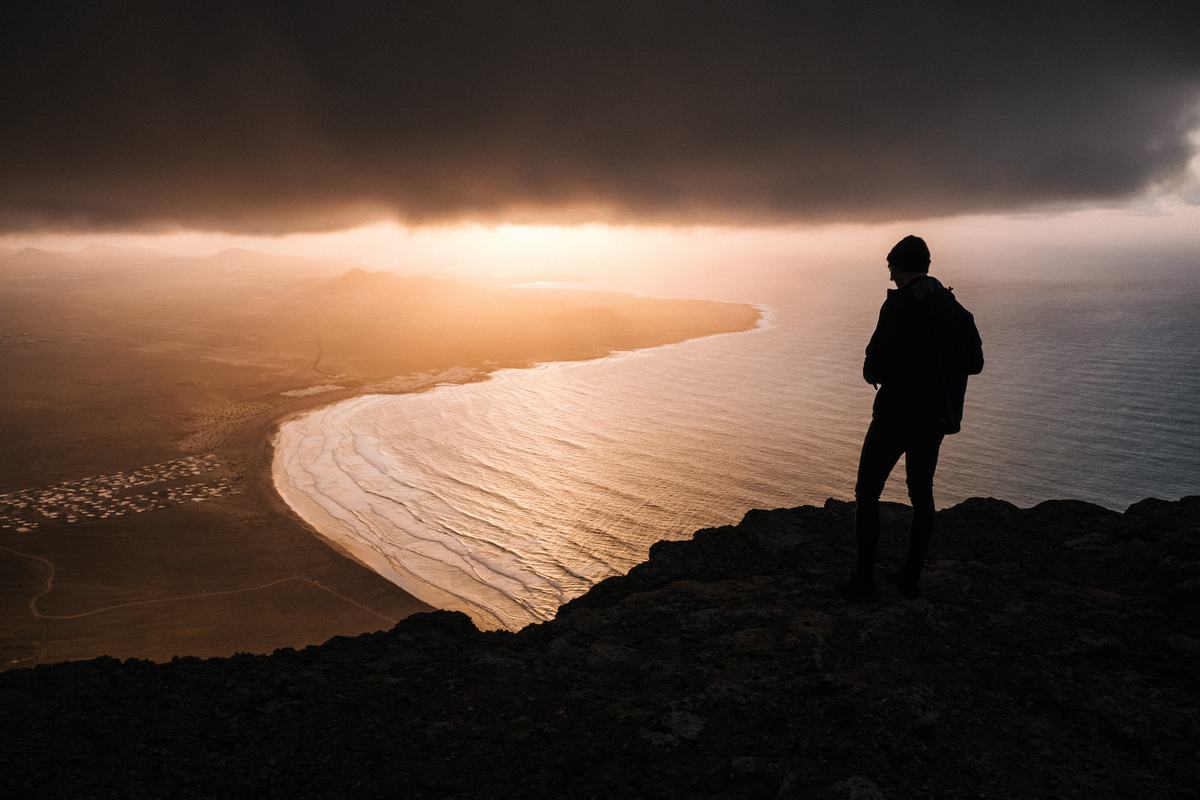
33,609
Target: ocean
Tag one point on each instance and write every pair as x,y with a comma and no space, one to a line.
506,498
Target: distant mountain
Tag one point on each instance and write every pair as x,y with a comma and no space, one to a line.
34,260
239,259
358,279
99,258
234,260
91,260
108,252
30,253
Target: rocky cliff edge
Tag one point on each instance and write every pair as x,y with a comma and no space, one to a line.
1055,653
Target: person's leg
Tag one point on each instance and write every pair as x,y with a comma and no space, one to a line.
920,463
881,450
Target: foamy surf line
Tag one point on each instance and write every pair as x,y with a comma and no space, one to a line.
363,509
377,505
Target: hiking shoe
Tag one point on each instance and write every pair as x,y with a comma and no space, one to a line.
857,589
906,582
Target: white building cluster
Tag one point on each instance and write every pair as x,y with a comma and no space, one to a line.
115,494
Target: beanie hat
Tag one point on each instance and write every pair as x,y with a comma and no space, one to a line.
909,255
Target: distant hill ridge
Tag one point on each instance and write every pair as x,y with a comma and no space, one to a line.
100,255
358,277
1054,654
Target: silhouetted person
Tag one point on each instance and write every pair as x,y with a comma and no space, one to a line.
923,348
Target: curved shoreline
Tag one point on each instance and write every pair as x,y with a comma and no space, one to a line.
302,506
324,526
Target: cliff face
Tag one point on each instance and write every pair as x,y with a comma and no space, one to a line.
1054,653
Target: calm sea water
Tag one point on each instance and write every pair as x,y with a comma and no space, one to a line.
506,498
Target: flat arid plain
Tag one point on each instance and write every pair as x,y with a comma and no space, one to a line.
140,394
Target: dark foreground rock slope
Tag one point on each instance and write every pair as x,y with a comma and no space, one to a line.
1056,653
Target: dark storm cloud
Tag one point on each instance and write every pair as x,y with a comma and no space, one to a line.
277,117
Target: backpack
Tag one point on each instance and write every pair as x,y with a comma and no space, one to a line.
966,347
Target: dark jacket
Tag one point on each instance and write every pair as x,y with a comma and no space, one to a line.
911,357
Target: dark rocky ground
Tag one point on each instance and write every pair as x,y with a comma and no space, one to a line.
1056,653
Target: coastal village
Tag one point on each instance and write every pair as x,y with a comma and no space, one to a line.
116,494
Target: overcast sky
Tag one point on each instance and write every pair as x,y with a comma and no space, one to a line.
285,117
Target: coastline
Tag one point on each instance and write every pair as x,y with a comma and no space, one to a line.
272,477
240,572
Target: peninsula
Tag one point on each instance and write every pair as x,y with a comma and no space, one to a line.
137,513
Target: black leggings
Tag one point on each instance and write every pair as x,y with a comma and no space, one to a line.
882,448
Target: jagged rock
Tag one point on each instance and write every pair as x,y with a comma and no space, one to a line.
1184,591
748,765
793,787
671,727
856,787
1052,653
1183,644
1088,542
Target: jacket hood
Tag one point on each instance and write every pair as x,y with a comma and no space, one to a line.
920,289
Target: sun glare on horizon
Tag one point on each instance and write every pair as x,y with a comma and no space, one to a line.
540,252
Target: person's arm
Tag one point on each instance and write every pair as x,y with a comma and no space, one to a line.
880,363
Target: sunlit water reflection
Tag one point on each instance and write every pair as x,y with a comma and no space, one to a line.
506,498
